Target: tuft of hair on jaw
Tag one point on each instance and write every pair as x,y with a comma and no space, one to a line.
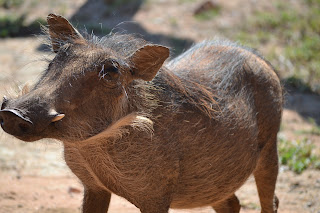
120,128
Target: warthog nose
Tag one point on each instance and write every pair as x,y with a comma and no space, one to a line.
13,123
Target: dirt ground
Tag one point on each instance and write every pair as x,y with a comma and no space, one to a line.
34,177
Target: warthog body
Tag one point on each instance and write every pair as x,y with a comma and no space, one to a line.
182,134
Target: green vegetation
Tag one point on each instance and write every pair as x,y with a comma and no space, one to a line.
315,130
297,155
297,30
12,26
10,3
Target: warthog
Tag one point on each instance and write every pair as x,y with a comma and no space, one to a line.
182,134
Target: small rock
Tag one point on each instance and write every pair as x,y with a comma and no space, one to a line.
74,190
309,204
294,186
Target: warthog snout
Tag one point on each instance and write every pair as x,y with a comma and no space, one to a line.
14,123
26,121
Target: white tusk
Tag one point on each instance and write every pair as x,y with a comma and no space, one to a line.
53,112
58,117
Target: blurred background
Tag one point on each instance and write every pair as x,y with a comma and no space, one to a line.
34,178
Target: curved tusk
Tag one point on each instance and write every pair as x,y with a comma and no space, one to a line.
58,117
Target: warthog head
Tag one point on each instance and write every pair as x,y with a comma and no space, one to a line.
86,87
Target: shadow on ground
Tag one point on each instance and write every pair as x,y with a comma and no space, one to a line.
306,103
103,16
117,16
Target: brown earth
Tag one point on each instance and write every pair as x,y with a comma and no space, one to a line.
34,177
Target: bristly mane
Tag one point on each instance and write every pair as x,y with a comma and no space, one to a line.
227,65
123,44
187,89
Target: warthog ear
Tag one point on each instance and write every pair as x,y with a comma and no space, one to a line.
148,60
61,31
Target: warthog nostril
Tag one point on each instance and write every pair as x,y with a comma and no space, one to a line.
24,127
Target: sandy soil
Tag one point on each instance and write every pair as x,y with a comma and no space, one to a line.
34,177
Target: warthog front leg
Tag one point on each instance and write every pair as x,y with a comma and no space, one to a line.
155,205
230,205
155,210
96,201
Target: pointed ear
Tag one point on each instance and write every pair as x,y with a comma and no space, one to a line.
61,31
148,60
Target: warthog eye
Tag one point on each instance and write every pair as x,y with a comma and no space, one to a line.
112,69
109,72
